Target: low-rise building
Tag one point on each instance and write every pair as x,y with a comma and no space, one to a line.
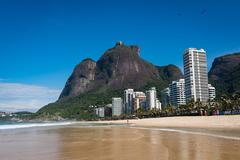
100,112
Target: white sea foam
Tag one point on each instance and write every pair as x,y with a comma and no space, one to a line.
30,125
189,132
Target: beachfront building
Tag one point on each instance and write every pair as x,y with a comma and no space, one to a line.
212,92
117,106
165,97
177,93
195,75
128,101
158,104
151,99
139,100
100,112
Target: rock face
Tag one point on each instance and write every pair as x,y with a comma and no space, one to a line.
225,74
81,78
119,67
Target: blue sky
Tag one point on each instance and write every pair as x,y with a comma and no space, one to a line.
42,40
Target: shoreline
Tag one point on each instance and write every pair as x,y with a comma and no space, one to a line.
205,122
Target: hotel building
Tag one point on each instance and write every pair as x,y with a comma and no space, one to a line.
195,75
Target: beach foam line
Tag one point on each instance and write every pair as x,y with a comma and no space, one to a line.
30,125
188,132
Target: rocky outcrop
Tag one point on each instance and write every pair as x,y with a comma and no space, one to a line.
225,74
119,67
80,80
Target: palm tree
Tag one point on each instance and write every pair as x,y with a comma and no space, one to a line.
199,107
191,105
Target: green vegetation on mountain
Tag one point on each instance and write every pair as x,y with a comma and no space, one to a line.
95,83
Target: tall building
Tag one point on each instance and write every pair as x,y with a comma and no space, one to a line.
177,93
211,91
117,106
165,97
151,96
139,100
128,101
195,75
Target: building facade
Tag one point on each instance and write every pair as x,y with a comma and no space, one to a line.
100,112
151,96
139,100
195,75
128,101
165,97
158,104
117,106
212,92
177,93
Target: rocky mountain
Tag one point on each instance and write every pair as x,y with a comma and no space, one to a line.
120,67
169,73
225,74
79,82
95,83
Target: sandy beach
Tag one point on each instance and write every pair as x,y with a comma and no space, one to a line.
170,138
208,122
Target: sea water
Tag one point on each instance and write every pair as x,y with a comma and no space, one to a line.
15,125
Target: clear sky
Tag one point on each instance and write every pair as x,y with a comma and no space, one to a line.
42,40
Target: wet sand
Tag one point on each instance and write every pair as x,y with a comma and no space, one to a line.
76,142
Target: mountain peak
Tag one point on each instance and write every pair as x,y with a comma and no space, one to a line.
119,67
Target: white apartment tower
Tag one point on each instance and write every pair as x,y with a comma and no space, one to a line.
211,91
177,93
128,101
195,75
117,106
151,96
165,97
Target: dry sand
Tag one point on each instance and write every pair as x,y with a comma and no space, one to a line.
214,122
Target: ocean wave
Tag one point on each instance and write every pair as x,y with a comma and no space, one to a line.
30,125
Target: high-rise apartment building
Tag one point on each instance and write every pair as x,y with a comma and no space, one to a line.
117,106
165,97
151,96
195,75
177,93
128,101
139,100
158,104
211,91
